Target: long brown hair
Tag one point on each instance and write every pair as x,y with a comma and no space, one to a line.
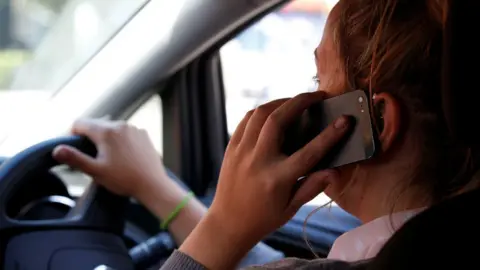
397,46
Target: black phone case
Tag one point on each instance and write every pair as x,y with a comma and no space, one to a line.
357,145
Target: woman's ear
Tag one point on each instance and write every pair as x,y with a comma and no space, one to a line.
387,113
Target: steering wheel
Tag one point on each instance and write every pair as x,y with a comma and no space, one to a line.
88,237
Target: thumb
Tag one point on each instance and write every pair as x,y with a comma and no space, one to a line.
76,159
313,185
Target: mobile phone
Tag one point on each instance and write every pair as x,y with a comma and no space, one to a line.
357,145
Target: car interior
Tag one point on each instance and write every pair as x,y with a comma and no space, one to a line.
43,224
182,68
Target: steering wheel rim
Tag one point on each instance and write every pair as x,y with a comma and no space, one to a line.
96,210
19,169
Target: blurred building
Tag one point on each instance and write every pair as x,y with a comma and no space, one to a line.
274,57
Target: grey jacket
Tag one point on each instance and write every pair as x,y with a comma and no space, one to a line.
181,261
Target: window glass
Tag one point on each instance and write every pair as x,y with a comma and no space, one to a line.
150,118
45,42
43,45
273,59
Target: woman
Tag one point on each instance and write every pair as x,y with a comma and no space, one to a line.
392,49
126,154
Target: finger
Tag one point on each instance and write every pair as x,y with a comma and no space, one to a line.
76,159
239,131
278,120
257,121
91,128
302,161
310,188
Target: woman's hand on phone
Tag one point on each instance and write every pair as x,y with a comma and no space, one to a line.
257,190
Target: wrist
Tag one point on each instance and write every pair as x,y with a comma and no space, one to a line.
160,196
230,245
152,181
182,206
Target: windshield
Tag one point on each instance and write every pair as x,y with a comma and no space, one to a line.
43,43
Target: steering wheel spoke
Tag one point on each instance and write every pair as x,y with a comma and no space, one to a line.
97,220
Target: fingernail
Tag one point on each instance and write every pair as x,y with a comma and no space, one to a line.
341,122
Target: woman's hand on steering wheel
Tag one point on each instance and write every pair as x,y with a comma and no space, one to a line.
127,162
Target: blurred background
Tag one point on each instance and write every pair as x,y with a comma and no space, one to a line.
44,43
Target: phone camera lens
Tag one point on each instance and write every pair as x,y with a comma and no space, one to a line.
360,99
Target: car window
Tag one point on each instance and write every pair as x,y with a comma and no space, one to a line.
44,43
273,59
149,117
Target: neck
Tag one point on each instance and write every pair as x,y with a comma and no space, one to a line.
389,202
381,194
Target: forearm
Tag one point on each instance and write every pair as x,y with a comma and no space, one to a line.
162,200
209,244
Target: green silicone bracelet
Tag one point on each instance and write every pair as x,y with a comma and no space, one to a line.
176,211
